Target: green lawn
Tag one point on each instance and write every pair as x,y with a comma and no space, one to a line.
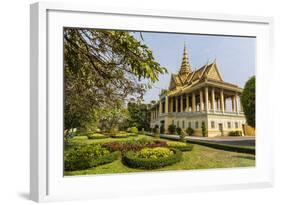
201,157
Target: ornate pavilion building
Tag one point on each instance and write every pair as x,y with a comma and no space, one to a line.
197,97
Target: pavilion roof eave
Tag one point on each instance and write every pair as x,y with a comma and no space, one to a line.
222,85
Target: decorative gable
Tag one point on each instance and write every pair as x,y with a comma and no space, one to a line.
173,83
213,73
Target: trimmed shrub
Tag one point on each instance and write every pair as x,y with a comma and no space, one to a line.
162,129
235,133
232,148
172,129
178,130
190,131
96,136
180,146
204,130
155,127
157,133
131,159
84,157
182,135
142,131
154,153
123,135
133,130
120,135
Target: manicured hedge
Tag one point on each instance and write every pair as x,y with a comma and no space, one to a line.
123,135
106,159
235,133
70,165
184,147
87,156
232,148
96,136
130,159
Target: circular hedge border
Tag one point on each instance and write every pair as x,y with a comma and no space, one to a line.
95,162
106,159
130,159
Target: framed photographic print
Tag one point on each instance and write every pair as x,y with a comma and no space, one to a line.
127,102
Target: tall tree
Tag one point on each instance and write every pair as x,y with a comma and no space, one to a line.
139,115
248,100
102,68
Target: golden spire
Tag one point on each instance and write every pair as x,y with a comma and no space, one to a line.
185,67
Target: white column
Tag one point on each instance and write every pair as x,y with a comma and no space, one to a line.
201,100
160,106
222,101
166,104
236,103
193,102
206,99
187,103
213,100
233,103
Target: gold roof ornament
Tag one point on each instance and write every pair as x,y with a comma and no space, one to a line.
185,66
188,78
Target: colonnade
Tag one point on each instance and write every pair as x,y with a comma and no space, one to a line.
210,100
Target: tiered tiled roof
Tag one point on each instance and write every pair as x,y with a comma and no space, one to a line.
187,77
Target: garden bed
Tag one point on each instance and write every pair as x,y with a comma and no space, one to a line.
132,159
87,156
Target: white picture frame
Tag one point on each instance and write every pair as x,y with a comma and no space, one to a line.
46,175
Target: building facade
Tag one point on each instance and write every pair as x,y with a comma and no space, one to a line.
200,97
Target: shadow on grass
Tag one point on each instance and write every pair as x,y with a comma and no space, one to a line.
245,157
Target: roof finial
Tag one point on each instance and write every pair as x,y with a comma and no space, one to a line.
185,67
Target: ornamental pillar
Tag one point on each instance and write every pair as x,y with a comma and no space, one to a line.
236,103
166,104
206,99
233,103
187,103
160,106
201,100
193,102
222,101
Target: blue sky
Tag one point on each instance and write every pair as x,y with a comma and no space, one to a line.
235,56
